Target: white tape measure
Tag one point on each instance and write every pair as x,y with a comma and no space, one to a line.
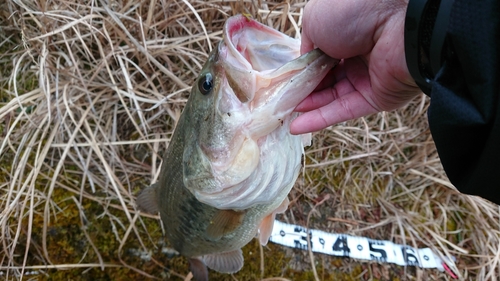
355,247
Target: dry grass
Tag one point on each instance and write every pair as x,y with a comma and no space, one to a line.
90,92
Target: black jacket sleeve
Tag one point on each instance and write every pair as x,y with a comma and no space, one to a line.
464,112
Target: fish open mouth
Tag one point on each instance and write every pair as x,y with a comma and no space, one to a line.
265,69
257,46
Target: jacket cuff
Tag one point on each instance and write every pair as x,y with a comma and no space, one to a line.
426,26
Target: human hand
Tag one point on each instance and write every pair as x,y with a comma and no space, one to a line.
372,77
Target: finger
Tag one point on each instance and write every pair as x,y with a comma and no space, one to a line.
335,74
306,44
316,100
342,29
350,75
347,107
322,97
323,93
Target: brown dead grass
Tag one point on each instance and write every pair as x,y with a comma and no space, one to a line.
91,90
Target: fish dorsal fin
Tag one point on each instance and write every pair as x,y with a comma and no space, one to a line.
224,222
228,262
199,269
266,226
147,199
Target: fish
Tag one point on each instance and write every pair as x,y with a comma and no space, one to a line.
232,161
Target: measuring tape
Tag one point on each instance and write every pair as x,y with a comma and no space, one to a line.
355,247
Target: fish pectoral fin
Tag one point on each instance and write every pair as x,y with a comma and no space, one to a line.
147,199
199,269
266,226
228,262
283,206
224,222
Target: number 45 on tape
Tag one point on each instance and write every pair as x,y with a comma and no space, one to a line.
355,247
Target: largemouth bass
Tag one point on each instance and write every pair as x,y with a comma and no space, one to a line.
232,161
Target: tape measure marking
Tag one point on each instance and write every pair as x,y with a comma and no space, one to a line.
355,247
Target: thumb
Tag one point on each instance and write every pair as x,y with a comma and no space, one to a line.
306,44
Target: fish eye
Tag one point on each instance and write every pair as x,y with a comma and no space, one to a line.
205,84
